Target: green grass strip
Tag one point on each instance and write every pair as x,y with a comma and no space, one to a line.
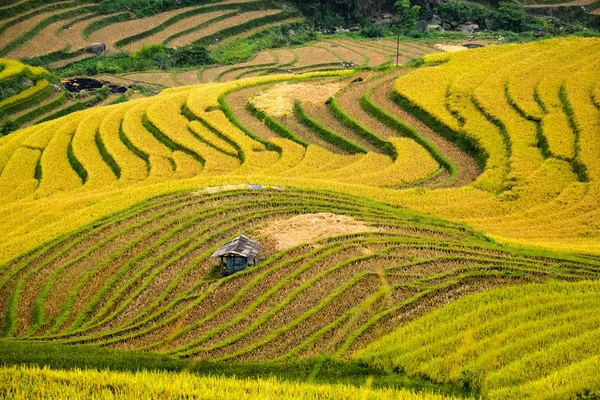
41,110
384,146
75,164
166,140
577,165
77,106
405,130
106,157
27,102
231,116
274,125
325,133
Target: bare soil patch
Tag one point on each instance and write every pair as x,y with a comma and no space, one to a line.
307,228
214,28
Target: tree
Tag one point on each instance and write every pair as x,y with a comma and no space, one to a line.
408,14
510,17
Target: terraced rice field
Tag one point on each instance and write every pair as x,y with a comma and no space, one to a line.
28,97
62,29
389,202
141,279
321,55
532,341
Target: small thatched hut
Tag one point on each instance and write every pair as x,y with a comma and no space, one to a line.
237,254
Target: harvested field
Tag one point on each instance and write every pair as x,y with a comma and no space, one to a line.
48,41
215,74
375,56
115,32
18,29
253,31
344,53
174,29
285,57
314,56
188,77
227,23
153,78
323,266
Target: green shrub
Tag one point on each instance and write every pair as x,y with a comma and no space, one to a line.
510,16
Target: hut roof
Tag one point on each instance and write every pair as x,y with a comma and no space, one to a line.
241,246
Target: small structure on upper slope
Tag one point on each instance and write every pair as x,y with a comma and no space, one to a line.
237,254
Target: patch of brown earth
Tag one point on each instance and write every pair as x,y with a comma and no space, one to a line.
308,228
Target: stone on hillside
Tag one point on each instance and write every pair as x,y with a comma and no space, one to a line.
422,26
98,48
470,28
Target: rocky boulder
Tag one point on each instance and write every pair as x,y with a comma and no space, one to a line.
96,48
